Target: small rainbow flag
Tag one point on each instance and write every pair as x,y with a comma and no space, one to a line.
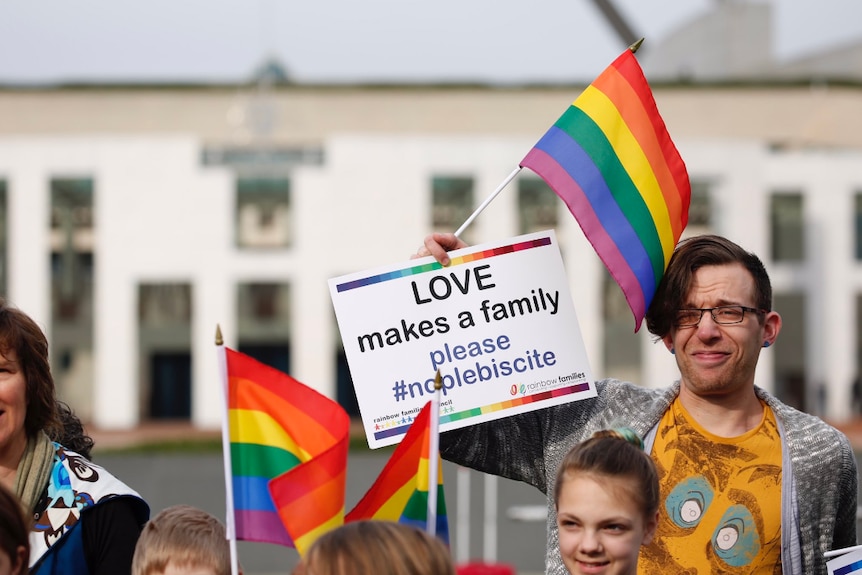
611,160
401,491
288,449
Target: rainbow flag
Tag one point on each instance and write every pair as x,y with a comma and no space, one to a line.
401,492
611,160
288,449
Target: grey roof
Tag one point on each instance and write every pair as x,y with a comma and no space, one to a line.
734,42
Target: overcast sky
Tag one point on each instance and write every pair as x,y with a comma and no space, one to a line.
497,41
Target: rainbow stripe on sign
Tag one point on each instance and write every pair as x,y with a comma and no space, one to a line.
491,408
465,259
852,568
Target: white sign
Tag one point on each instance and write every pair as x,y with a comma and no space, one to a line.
498,323
846,564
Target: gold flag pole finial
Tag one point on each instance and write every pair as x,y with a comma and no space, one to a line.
438,380
218,339
634,47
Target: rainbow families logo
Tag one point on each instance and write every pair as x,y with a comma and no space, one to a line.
542,385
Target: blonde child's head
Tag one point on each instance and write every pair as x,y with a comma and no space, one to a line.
376,548
182,540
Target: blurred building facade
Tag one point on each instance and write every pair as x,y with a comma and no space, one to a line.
134,220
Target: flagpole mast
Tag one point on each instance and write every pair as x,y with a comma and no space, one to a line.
837,552
487,201
230,518
433,457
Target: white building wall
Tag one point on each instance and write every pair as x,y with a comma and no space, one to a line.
162,216
28,199
828,181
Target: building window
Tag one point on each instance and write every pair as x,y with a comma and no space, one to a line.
790,353
857,223
264,323
72,212
621,346
345,392
263,212
71,239
537,205
700,208
856,383
165,305
451,203
4,253
165,343
71,232
788,233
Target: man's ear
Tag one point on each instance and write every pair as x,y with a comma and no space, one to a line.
668,342
771,327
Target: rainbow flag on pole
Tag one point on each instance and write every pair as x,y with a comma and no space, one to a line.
401,491
288,455
611,160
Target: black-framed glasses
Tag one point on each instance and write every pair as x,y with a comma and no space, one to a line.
722,315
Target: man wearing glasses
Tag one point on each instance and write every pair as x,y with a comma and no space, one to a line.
748,484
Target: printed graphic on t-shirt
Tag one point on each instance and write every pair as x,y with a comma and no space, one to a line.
721,499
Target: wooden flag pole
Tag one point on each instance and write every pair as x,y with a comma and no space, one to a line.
230,518
433,457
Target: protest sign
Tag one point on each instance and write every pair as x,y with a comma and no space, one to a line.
847,563
498,323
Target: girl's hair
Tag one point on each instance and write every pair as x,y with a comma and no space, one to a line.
613,453
14,529
376,548
183,536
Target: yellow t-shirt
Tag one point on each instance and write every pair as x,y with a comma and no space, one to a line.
720,506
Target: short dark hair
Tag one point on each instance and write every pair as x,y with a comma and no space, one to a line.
690,255
21,335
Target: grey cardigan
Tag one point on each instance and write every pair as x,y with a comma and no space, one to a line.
817,461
